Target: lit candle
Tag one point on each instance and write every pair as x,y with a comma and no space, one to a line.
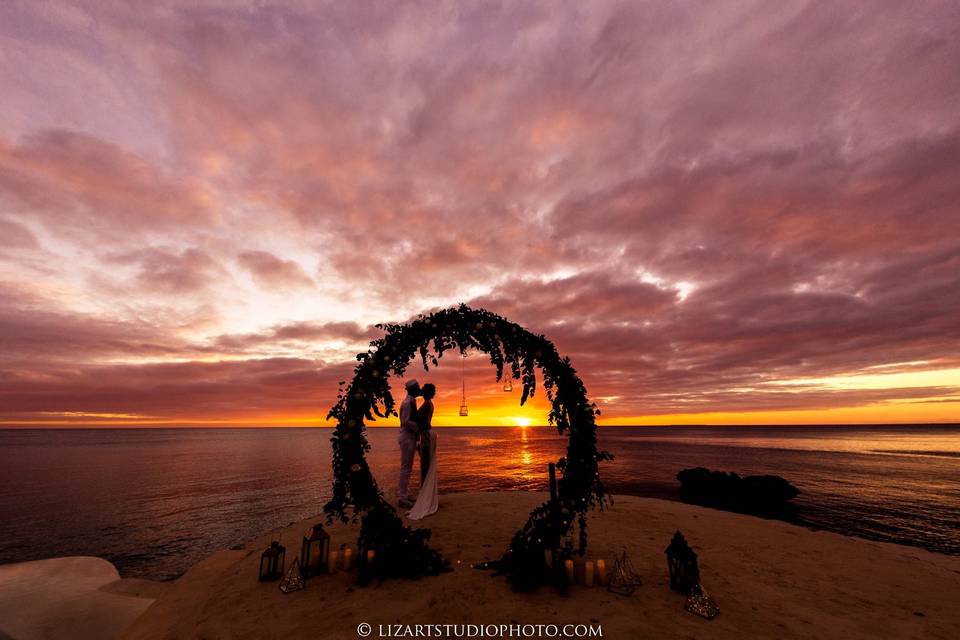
370,555
348,558
579,571
601,572
332,561
548,558
569,566
588,573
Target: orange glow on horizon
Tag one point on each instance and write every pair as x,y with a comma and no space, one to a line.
491,406
510,415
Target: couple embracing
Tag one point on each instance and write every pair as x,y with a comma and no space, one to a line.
417,436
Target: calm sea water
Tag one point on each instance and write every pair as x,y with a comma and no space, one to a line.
156,501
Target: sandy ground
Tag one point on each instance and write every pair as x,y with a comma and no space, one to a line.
771,580
75,598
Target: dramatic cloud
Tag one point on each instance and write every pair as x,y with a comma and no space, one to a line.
173,272
718,210
71,181
246,391
270,271
299,333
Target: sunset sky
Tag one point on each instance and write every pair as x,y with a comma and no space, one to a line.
733,212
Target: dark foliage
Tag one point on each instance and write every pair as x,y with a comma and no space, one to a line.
401,552
752,494
513,351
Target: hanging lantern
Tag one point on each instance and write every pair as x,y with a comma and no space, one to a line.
315,550
508,385
463,389
682,564
272,561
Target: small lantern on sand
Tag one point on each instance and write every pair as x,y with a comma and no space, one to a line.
623,580
272,561
682,564
315,551
293,581
701,604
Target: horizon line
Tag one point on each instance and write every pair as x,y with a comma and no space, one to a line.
92,427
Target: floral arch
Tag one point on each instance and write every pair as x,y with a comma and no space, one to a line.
514,351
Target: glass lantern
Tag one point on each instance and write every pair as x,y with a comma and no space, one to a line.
682,564
272,561
315,552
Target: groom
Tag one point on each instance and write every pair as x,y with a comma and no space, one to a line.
408,441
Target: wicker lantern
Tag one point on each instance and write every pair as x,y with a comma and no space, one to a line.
315,552
272,561
682,564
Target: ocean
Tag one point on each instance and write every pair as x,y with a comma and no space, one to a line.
156,501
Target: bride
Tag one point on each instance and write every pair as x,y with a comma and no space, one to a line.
427,502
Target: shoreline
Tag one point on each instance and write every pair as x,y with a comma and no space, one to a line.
776,579
157,529
796,521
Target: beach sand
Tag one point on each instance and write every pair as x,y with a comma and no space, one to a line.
771,580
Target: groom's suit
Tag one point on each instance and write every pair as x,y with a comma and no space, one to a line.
408,444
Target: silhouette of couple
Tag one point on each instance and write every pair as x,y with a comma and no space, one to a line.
416,435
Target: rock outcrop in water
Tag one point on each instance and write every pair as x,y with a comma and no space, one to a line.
751,494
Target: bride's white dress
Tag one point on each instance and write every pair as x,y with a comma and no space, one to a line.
427,501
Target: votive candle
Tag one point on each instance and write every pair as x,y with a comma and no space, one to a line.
348,558
548,558
569,566
578,571
601,572
333,561
370,555
588,573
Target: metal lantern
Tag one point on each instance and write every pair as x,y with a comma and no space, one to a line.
623,580
272,561
315,552
682,564
464,411
293,581
508,384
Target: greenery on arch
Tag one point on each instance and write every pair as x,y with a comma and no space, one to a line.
514,351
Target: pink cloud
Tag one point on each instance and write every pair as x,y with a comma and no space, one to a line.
173,272
272,272
202,391
689,198
298,332
16,236
72,181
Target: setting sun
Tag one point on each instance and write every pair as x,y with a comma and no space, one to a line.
521,422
